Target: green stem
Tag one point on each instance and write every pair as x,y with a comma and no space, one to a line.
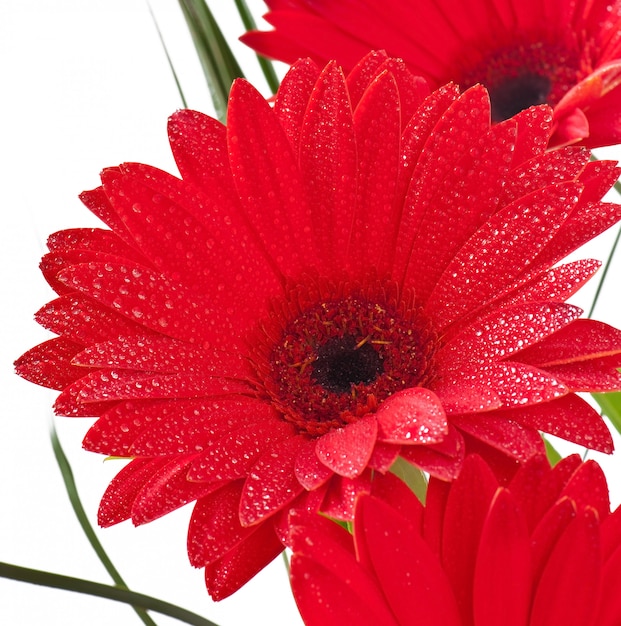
266,66
170,63
80,513
285,560
58,581
606,265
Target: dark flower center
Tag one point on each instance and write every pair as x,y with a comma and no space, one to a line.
516,94
328,356
342,362
524,75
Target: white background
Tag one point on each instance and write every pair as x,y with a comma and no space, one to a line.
85,84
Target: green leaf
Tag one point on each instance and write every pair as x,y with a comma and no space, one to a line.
553,455
218,62
58,581
610,404
78,509
412,477
266,66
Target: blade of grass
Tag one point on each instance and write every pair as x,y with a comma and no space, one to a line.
78,509
218,62
266,65
170,63
58,581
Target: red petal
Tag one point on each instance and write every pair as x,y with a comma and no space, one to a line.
533,489
231,456
414,138
598,177
552,167
145,297
50,364
167,490
328,164
309,470
271,484
214,526
457,399
98,203
331,547
502,577
206,235
112,385
326,598
504,333
570,418
341,496
410,575
175,426
400,497
546,533
534,126
501,250
346,451
510,437
586,221
443,460
118,499
383,456
292,98
418,230
593,375
161,354
411,416
363,74
269,182
609,601
482,170
378,133
519,385
433,514
569,585
582,339
611,533
198,143
466,509
233,570
80,319
587,487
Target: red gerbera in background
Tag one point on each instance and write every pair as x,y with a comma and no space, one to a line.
563,53
360,272
543,550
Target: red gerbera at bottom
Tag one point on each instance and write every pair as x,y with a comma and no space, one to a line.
543,550
362,271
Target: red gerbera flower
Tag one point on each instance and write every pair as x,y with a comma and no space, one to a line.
543,550
360,272
564,53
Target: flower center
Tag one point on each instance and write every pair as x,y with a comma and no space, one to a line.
525,75
326,362
342,362
516,94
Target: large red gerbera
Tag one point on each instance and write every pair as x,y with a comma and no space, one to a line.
526,52
360,272
543,550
